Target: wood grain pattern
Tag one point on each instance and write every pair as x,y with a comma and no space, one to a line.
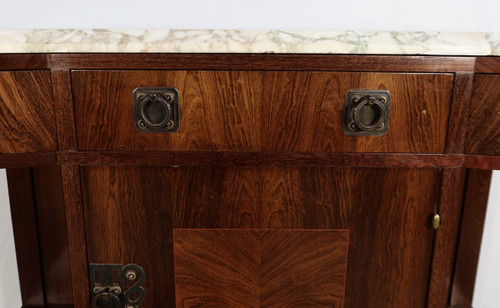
445,241
77,242
27,122
482,162
92,158
24,225
52,233
23,160
487,65
23,61
459,112
368,63
64,110
128,220
390,242
484,120
260,268
261,111
471,231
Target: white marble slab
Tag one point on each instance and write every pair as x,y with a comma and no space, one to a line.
249,41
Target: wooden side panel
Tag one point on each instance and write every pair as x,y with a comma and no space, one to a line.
130,214
258,268
283,111
27,122
483,136
24,225
471,232
53,235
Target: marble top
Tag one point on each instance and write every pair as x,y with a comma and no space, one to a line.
250,41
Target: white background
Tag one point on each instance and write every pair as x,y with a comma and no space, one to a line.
388,15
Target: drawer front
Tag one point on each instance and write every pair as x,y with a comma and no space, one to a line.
283,111
27,121
483,135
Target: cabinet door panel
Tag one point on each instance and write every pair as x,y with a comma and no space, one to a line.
268,230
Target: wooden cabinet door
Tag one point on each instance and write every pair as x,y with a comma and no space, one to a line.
266,236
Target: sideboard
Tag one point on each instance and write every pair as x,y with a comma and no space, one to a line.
261,197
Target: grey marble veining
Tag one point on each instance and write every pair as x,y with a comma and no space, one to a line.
249,41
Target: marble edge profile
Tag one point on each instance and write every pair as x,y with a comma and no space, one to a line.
249,41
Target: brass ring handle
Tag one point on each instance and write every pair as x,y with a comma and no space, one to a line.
366,112
162,106
375,108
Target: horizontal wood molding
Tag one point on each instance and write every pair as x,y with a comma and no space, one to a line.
25,61
487,65
482,162
27,160
261,158
366,63
50,306
92,158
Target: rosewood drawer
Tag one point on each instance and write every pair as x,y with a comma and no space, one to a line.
27,121
270,111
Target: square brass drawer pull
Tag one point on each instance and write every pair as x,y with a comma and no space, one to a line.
366,112
156,109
